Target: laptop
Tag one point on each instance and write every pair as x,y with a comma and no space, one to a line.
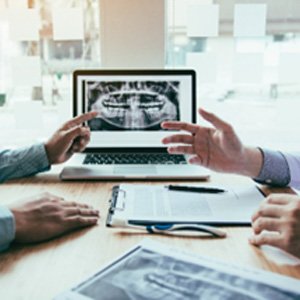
126,135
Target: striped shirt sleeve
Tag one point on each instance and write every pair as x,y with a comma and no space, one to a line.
7,228
15,164
23,162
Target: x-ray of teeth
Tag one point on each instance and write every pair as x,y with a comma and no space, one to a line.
149,275
132,105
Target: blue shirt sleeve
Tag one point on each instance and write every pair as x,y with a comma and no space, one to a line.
7,228
275,170
23,162
293,160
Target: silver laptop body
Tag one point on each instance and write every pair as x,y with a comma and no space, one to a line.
126,135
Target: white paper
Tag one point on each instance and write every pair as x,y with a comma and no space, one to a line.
28,115
24,24
158,204
250,20
289,68
68,24
203,20
205,64
17,3
26,71
248,68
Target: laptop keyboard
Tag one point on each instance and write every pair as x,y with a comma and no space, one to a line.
133,159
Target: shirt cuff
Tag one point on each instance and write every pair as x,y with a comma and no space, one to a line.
7,228
275,170
37,161
293,160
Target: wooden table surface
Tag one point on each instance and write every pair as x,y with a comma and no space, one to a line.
43,270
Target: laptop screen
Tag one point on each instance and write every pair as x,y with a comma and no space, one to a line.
131,105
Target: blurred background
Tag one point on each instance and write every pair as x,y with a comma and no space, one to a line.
246,54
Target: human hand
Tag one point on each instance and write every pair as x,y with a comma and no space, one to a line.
46,216
277,223
70,138
218,148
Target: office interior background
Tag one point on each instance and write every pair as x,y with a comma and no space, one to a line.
246,54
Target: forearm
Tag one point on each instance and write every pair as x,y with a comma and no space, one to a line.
7,228
251,163
23,162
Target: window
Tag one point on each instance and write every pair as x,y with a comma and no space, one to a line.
247,57
246,54
41,43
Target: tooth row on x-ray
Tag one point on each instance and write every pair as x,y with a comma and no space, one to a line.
133,105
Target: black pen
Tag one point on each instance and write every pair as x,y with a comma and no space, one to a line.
194,189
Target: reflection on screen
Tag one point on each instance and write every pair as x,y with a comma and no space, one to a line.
132,105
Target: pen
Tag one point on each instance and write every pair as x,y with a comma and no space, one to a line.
194,189
170,228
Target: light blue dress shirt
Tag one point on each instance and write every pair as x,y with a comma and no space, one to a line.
15,164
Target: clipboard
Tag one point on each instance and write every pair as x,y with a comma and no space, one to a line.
234,208
113,204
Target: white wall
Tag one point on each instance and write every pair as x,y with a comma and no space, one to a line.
132,33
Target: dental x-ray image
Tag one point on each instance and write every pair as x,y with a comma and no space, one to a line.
147,275
132,105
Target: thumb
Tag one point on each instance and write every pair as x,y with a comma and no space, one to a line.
214,120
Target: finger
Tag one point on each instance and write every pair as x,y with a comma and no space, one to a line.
75,132
214,120
76,204
196,160
81,144
85,135
264,223
181,150
80,119
73,211
179,138
192,128
268,210
280,199
81,221
271,239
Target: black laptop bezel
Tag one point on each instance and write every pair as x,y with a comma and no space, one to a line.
141,72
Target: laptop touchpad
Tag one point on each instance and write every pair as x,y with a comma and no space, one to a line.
130,170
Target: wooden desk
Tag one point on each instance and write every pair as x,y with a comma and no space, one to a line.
42,271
